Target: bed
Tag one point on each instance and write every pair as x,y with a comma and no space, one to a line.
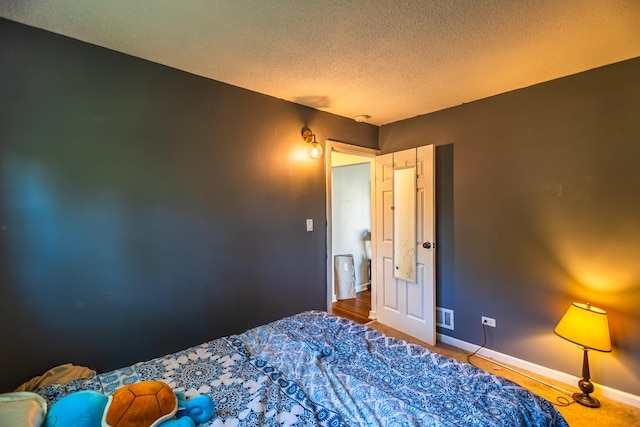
316,369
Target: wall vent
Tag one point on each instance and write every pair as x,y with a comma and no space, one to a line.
444,318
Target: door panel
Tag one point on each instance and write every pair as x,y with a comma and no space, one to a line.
387,232
389,293
404,305
415,296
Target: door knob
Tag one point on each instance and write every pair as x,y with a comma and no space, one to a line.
426,245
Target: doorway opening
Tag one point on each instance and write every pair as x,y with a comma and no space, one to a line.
350,179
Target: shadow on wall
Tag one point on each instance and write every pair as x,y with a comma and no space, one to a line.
445,295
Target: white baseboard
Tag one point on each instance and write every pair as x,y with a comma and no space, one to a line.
570,380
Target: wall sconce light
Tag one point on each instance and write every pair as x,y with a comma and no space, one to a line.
315,149
587,327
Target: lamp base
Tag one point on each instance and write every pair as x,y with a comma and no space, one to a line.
586,400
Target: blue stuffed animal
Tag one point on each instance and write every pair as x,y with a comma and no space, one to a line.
145,404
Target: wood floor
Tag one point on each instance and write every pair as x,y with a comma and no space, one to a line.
356,309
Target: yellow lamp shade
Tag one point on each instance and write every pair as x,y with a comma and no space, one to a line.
586,326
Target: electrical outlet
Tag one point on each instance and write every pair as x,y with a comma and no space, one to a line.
489,321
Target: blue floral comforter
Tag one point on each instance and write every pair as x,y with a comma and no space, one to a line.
316,369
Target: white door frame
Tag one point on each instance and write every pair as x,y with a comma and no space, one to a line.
342,147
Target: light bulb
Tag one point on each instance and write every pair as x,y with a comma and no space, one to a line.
315,150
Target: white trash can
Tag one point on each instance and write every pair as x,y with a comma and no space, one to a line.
345,276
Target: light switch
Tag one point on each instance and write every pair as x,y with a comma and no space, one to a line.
309,225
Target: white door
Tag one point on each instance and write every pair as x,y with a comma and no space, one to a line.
404,305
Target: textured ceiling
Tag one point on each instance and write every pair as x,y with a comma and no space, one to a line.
389,59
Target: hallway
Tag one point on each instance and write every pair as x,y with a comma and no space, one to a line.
356,309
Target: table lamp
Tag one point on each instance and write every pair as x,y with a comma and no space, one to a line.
587,327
